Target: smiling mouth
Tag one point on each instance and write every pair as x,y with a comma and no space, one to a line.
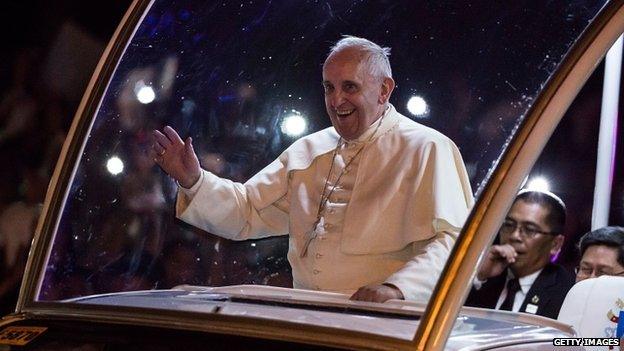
344,113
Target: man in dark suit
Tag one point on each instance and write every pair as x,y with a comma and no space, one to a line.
517,274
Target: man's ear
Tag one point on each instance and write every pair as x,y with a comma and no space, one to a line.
557,244
387,86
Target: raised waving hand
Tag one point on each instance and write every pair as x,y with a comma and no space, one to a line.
176,157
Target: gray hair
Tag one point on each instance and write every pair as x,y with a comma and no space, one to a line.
374,56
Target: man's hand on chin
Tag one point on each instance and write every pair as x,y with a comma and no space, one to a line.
378,293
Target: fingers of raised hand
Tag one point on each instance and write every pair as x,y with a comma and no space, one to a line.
161,139
173,136
158,149
157,152
167,142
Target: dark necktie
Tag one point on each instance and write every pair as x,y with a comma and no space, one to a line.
512,288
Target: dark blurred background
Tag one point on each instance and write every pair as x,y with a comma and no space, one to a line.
49,50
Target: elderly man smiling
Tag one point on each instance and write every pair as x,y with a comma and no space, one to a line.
372,205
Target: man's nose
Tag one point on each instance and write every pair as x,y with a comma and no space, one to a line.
516,235
336,98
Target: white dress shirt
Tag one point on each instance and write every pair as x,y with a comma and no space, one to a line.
525,284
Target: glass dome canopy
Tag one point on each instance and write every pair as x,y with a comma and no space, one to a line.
230,76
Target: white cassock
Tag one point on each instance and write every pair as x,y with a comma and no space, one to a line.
392,217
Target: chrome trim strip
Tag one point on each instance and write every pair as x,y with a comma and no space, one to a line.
222,324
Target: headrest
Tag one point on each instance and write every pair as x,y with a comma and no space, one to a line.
593,307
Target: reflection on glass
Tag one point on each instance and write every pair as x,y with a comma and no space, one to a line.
294,125
114,165
145,94
229,77
538,184
417,106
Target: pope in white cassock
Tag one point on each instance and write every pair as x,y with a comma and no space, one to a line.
372,205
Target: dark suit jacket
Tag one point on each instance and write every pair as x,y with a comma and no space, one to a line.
547,292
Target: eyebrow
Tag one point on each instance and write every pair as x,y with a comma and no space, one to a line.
343,82
524,222
591,265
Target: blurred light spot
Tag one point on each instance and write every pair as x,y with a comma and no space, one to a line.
538,184
294,124
114,165
417,106
226,98
188,107
145,94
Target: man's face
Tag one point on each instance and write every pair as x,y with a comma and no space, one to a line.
599,260
534,251
354,99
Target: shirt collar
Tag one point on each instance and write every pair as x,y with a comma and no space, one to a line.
387,120
526,281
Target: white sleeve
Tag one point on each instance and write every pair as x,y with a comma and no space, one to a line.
190,192
418,277
256,209
450,204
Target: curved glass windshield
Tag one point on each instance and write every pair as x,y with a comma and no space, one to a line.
244,81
